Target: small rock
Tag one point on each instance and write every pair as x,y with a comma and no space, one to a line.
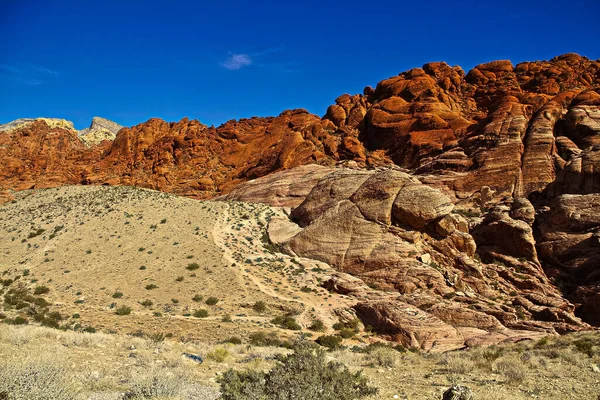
425,258
596,368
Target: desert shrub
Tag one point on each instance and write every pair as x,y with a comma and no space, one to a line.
259,306
123,310
458,364
41,290
117,295
542,342
585,346
211,301
219,354
35,233
317,326
192,266
286,322
492,353
226,318
156,337
512,369
262,339
147,303
303,374
201,313
347,333
154,383
197,298
383,357
151,286
27,380
353,325
18,320
330,341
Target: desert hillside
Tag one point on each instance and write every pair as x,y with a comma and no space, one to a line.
99,250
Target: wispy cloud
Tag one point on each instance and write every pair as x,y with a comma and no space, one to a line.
259,59
26,74
237,61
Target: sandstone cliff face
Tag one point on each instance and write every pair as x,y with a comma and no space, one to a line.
400,235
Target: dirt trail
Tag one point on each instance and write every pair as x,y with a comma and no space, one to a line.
227,238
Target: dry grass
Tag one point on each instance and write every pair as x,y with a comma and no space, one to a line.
102,366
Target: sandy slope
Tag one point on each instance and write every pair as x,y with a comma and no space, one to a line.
98,241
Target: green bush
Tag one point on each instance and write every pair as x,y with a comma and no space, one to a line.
197,298
151,286
286,322
262,339
317,326
585,346
123,310
147,303
41,290
226,318
302,375
201,313
219,354
117,295
192,266
347,333
211,301
259,306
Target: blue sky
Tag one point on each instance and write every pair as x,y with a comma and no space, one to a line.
217,60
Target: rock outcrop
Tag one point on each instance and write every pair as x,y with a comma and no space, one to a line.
458,279
100,129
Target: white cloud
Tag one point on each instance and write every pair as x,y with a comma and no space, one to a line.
237,61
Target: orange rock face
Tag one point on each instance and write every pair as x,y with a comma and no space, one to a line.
514,129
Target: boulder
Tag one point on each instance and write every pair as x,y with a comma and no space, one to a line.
417,205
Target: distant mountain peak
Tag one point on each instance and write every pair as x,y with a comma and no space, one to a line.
100,129
51,122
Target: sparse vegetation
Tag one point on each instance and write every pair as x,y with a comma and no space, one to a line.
286,322
123,310
41,290
192,266
259,306
201,313
211,301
